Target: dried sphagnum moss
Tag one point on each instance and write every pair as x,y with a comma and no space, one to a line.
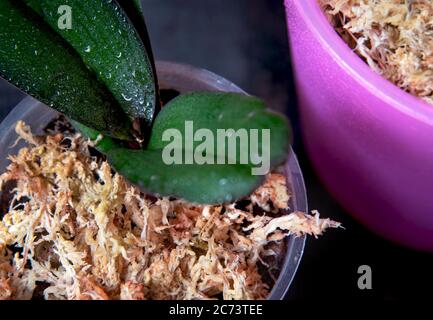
395,37
76,230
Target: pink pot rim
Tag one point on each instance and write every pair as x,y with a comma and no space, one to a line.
350,62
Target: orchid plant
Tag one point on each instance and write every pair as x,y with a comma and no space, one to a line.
98,70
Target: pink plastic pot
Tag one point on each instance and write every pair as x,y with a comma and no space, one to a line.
371,143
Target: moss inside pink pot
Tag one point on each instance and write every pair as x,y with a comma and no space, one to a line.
182,188
393,37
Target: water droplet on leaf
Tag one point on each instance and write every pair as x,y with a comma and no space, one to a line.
126,98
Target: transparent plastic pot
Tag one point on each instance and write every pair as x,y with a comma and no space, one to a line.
182,78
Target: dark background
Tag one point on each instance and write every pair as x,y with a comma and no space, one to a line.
246,42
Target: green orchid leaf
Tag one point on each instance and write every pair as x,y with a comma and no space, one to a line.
134,11
107,42
219,110
211,176
36,60
207,183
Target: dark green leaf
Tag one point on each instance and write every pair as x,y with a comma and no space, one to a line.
196,183
134,11
37,60
110,46
219,110
206,183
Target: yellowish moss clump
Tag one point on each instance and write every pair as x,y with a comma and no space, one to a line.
74,229
395,37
